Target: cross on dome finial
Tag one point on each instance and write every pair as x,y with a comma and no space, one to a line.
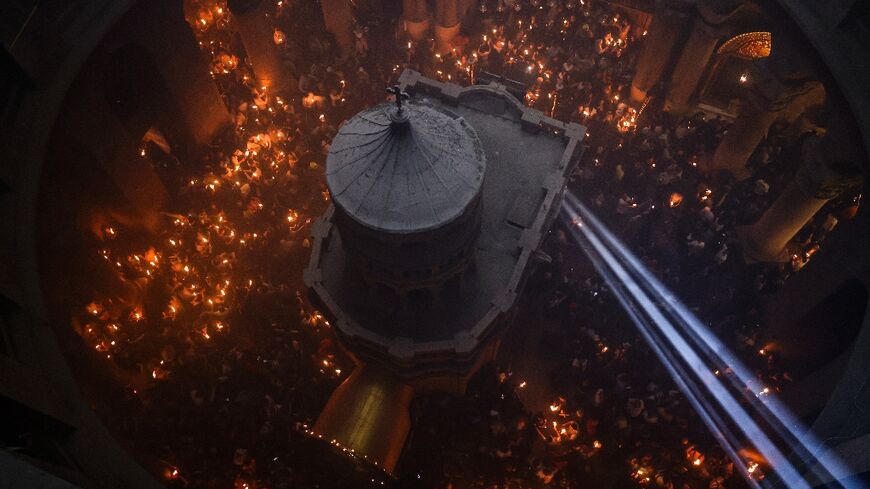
400,95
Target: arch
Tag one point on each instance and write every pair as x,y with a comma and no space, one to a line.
729,66
749,45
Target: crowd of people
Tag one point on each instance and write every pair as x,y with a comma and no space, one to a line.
224,360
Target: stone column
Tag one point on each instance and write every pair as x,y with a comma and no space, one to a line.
772,94
90,122
138,181
658,46
184,68
416,17
339,21
743,136
447,23
820,177
690,65
255,24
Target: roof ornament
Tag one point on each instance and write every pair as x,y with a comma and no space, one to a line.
400,95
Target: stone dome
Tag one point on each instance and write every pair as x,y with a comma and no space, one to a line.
405,172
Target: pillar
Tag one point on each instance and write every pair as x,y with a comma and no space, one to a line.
369,413
416,17
658,46
447,23
89,122
256,28
116,151
690,65
741,139
821,176
184,69
339,21
778,87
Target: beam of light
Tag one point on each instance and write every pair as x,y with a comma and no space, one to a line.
691,352
661,333
769,408
681,377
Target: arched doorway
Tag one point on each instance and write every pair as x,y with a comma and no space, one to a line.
730,69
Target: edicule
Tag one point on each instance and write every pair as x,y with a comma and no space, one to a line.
438,206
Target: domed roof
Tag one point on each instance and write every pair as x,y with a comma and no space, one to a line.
405,173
